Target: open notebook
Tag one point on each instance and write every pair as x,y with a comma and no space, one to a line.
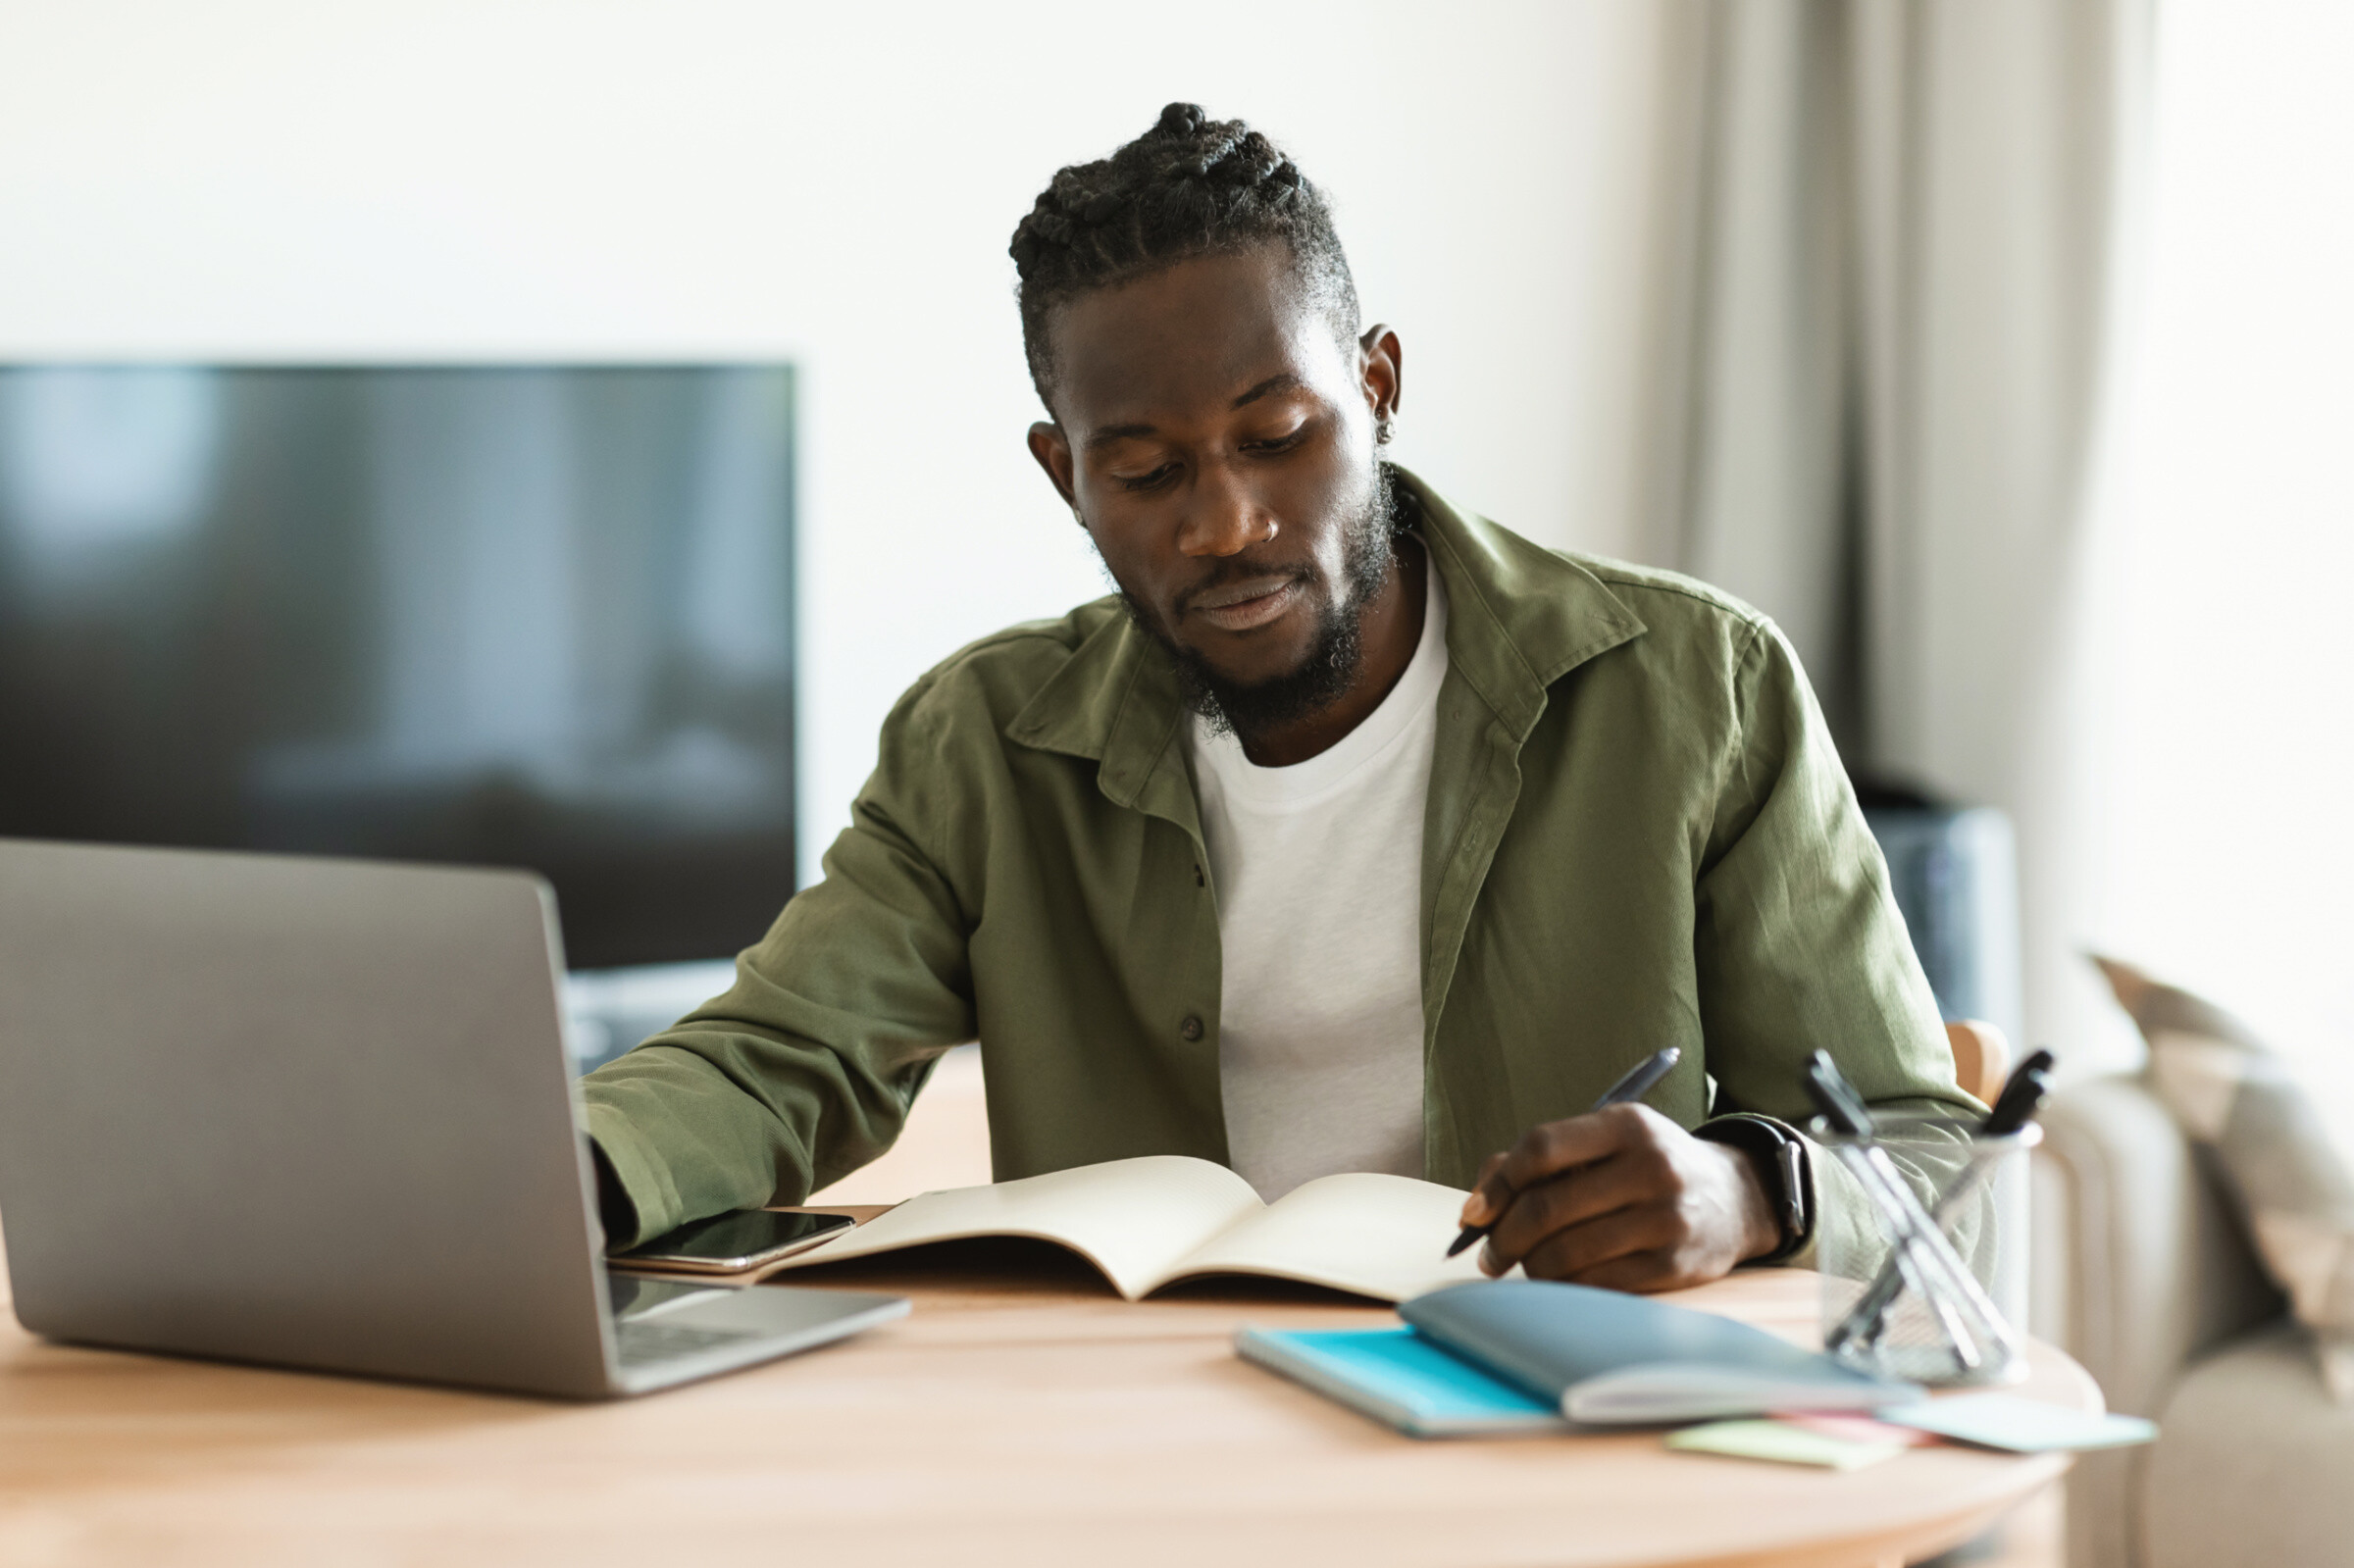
1152,1221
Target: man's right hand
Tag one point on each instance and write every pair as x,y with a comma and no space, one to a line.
1622,1199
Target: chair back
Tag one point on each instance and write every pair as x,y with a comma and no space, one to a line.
1981,1058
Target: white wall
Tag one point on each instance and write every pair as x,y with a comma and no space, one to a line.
834,185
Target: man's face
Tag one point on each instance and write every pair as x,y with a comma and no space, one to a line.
1216,436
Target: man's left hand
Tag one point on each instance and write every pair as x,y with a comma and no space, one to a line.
1621,1198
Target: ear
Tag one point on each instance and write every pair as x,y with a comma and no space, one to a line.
1052,449
1381,368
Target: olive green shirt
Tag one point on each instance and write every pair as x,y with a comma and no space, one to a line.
1638,834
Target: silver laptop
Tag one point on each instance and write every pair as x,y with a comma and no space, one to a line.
318,1113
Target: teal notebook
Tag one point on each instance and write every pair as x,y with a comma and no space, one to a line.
1400,1377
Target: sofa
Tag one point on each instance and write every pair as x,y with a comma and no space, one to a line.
2141,1271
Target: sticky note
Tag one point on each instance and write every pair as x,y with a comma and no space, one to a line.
1857,1429
2020,1426
1782,1444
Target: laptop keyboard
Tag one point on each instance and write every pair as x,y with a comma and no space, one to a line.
642,1344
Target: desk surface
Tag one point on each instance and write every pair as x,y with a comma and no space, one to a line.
1022,1414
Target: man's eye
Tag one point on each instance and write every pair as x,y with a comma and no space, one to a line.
1149,482
1278,443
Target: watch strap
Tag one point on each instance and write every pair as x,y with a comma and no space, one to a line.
1782,1154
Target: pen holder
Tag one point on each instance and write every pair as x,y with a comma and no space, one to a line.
1912,1295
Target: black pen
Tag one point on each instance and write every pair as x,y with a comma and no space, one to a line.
1633,1087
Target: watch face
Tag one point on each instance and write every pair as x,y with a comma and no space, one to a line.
1793,1168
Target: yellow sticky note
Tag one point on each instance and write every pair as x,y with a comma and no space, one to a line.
1781,1443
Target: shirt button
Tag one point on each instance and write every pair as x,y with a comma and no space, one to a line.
1190,1029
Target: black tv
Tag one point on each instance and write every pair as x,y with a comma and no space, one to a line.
523,616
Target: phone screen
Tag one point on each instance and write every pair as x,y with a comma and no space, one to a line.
739,1239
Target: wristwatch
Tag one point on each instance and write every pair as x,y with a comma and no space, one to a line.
1781,1154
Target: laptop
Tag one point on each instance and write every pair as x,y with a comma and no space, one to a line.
318,1113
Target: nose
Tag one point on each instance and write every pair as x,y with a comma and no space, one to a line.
1222,515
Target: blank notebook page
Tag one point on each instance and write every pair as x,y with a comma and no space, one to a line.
1380,1235
1128,1217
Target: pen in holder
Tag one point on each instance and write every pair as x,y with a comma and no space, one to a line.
1911,1303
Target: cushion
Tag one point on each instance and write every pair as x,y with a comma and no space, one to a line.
2251,1462
2276,1151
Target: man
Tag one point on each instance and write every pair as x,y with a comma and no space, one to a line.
1355,833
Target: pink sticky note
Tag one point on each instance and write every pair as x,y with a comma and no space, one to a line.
1858,1429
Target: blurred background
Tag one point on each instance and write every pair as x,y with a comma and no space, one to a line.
2000,349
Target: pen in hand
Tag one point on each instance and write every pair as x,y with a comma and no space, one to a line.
1633,1087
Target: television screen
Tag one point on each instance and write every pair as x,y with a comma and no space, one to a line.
533,617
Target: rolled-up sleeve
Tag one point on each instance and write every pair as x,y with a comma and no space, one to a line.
1799,945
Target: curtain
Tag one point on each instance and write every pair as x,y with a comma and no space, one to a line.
1890,272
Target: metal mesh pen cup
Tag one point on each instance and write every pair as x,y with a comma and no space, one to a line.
1911,1294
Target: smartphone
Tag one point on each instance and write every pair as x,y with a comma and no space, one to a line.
743,1239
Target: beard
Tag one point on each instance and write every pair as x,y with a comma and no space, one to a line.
1337,649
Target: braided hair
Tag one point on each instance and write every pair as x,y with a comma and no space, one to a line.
1189,187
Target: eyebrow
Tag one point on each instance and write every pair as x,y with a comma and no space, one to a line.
1285,381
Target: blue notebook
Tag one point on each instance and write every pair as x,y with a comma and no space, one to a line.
1400,1377
1521,1355
1611,1358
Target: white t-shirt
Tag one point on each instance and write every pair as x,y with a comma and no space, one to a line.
1319,872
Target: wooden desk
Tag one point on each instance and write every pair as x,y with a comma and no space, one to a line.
1027,1417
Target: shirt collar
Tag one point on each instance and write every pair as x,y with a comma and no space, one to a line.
1519,616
